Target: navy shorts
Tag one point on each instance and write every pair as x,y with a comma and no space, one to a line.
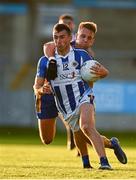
45,106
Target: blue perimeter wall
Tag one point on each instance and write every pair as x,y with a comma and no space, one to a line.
115,97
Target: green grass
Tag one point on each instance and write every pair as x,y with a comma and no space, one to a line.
22,156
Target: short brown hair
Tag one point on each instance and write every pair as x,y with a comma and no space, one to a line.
66,16
89,25
60,27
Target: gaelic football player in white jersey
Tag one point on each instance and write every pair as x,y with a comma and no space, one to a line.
84,39
73,96
69,20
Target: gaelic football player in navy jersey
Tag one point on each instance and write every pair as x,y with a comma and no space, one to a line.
85,39
69,20
73,96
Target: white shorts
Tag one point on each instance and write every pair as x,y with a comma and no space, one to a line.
73,120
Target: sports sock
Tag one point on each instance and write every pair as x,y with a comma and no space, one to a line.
104,160
86,162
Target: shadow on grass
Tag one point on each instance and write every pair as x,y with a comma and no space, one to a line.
15,135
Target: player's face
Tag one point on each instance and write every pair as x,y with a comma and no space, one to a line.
69,22
62,40
85,38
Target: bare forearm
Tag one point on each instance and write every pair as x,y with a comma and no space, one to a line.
42,89
38,89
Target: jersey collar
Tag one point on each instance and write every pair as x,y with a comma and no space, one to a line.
56,53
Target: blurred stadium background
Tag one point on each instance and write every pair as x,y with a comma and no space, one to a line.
26,24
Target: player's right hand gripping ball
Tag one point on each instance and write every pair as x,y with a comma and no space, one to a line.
52,70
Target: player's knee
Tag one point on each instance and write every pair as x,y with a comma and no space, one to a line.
87,130
46,140
84,128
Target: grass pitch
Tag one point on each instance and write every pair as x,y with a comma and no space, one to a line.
22,156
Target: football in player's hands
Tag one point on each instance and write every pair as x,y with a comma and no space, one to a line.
88,71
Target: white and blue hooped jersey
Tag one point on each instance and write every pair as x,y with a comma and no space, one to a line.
68,87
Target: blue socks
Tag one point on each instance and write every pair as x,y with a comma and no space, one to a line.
86,162
104,161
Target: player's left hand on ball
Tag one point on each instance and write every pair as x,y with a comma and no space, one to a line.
96,69
99,70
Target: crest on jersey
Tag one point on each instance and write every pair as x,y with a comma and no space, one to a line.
75,64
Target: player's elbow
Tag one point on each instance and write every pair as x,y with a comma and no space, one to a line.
44,49
49,49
